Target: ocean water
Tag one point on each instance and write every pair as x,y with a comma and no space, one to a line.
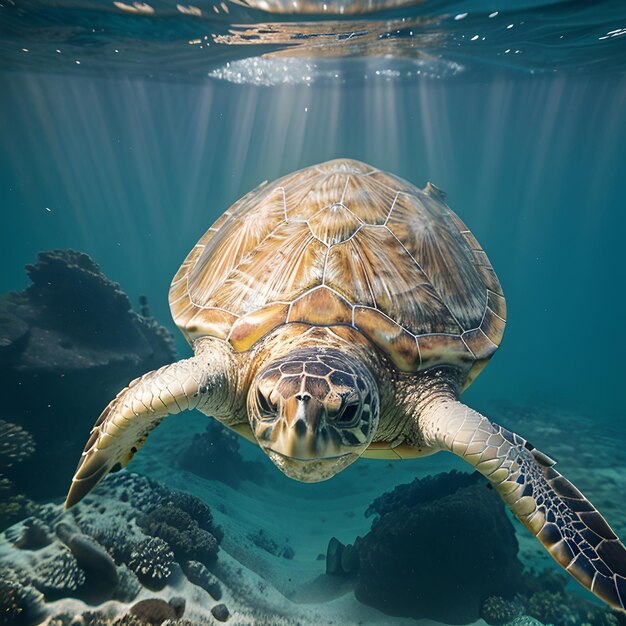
127,129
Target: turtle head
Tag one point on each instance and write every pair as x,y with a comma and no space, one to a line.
313,412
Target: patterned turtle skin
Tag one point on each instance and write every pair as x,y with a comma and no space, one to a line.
344,244
337,313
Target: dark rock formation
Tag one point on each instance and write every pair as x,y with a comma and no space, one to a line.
341,560
155,611
437,549
199,575
220,612
98,565
68,344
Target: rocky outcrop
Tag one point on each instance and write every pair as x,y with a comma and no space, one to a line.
436,549
68,343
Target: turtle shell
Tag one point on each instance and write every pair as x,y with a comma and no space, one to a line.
344,244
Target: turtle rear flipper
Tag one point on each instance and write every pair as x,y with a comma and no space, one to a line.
125,424
552,508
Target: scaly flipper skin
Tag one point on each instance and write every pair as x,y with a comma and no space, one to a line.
125,424
566,523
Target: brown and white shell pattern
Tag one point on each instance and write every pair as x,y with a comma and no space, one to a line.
345,244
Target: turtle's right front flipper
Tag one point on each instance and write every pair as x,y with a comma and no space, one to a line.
125,424
565,522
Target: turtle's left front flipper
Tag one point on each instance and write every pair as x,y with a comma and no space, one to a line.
566,523
125,424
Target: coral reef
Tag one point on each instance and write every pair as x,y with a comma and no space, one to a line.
19,604
525,620
437,536
552,608
181,531
215,455
16,445
58,575
545,596
498,611
73,563
72,328
152,561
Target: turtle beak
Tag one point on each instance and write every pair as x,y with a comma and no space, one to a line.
301,446
298,429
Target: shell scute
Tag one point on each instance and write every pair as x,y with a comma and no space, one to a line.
436,245
497,304
348,247
209,321
493,326
481,346
284,265
334,224
390,337
247,330
319,306
436,349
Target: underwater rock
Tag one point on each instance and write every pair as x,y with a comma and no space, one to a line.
215,455
435,539
341,560
128,585
262,540
220,612
155,611
199,575
95,561
72,328
420,490
32,534
152,561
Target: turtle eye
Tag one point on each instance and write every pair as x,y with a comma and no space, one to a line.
267,408
350,415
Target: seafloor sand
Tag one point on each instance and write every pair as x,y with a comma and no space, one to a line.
304,517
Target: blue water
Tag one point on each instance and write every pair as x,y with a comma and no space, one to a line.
127,129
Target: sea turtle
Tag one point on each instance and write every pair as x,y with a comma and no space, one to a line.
339,312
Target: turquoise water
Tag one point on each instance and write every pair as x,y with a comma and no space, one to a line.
124,134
